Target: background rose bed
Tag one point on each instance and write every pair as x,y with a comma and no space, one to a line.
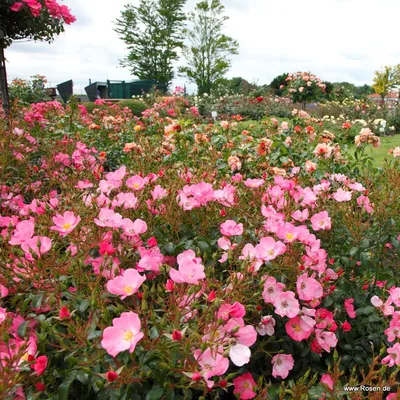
160,257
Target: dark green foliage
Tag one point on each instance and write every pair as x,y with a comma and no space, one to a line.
277,82
136,106
207,56
153,32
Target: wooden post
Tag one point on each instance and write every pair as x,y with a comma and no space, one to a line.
3,83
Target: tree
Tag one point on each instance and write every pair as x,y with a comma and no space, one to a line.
29,91
361,92
153,32
32,20
278,84
330,91
304,87
386,80
237,85
208,52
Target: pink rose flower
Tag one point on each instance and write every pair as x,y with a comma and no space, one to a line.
282,364
65,224
286,305
348,305
16,6
342,195
127,284
321,221
308,288
231,228
123,335
190,268
244,386
40,365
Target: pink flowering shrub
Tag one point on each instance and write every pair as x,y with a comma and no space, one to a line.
174,275
303,87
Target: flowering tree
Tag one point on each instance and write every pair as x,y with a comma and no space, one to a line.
386,80
304,87
28,19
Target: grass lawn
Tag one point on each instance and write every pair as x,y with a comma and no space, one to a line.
379,154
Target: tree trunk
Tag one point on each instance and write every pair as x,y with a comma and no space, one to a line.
3,84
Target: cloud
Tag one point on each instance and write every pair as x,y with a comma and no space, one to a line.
340,41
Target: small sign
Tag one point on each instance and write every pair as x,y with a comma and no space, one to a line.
214,115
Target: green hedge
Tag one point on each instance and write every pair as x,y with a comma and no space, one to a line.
136,106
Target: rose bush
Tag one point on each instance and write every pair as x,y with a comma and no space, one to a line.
203,261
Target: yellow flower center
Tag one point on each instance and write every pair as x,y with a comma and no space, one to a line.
297,328
128,289
128,335
322,223
67,226
289,236
136,185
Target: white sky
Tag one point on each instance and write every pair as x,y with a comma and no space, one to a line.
339,40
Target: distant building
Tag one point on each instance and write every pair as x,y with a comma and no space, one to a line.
390,98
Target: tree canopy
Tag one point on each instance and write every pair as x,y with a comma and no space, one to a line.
386,79
208,51
153,33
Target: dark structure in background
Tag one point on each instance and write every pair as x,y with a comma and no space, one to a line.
97,90
122,89
52,93
65,90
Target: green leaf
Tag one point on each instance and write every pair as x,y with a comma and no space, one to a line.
63,389
328,301
353,251
365,244
203,246
170,395
169,247
84,306
319,174
37,300
154,334
22,329
83,377
369,310
155,394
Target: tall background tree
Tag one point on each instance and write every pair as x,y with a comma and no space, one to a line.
237,85
386,80
32,20
208,50
278,84
153,33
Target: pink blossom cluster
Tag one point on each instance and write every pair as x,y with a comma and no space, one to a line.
198,195
57,11
18,352
304,77
391,310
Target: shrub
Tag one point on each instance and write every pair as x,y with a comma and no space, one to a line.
136,106
29,91
90,106
214,259
393,119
